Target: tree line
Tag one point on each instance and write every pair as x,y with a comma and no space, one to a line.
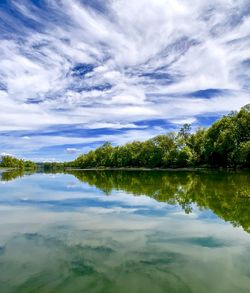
15,163
225,144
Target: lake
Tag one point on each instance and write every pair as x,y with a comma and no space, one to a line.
125,231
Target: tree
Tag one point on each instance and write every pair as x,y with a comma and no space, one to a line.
196,143
11,162
184,134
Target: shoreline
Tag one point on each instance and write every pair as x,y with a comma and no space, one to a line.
191,169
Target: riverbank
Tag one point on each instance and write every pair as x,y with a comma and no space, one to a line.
191,169
134,169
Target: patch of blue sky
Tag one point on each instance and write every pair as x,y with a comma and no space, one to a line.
202,93
98,5
20,18
246,62
46,11
39,3
239,15
243,73
165,124
160,77
3,87
208,93
34,101
13,21
207,120
81,69
72,131
157,75
89,88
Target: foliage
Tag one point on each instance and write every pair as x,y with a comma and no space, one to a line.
29,165
227,140
12,162
51,166
226,143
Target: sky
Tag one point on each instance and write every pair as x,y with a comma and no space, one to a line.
77,73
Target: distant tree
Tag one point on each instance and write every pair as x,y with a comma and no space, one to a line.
29,165
11,162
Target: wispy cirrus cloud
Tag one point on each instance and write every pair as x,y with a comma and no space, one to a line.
109,66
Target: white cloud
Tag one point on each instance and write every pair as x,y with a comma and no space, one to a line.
6,154
72,150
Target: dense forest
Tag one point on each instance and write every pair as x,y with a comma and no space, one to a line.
225,144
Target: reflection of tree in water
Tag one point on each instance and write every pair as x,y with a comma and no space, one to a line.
226,194
14,174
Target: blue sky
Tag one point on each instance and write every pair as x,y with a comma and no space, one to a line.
74,74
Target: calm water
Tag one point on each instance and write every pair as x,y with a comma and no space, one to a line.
117,231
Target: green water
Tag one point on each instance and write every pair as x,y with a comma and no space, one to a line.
125,231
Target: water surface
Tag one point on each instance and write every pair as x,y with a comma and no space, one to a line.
125,231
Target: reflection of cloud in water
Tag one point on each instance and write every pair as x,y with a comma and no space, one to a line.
53,195
71,184
98,251
24,219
